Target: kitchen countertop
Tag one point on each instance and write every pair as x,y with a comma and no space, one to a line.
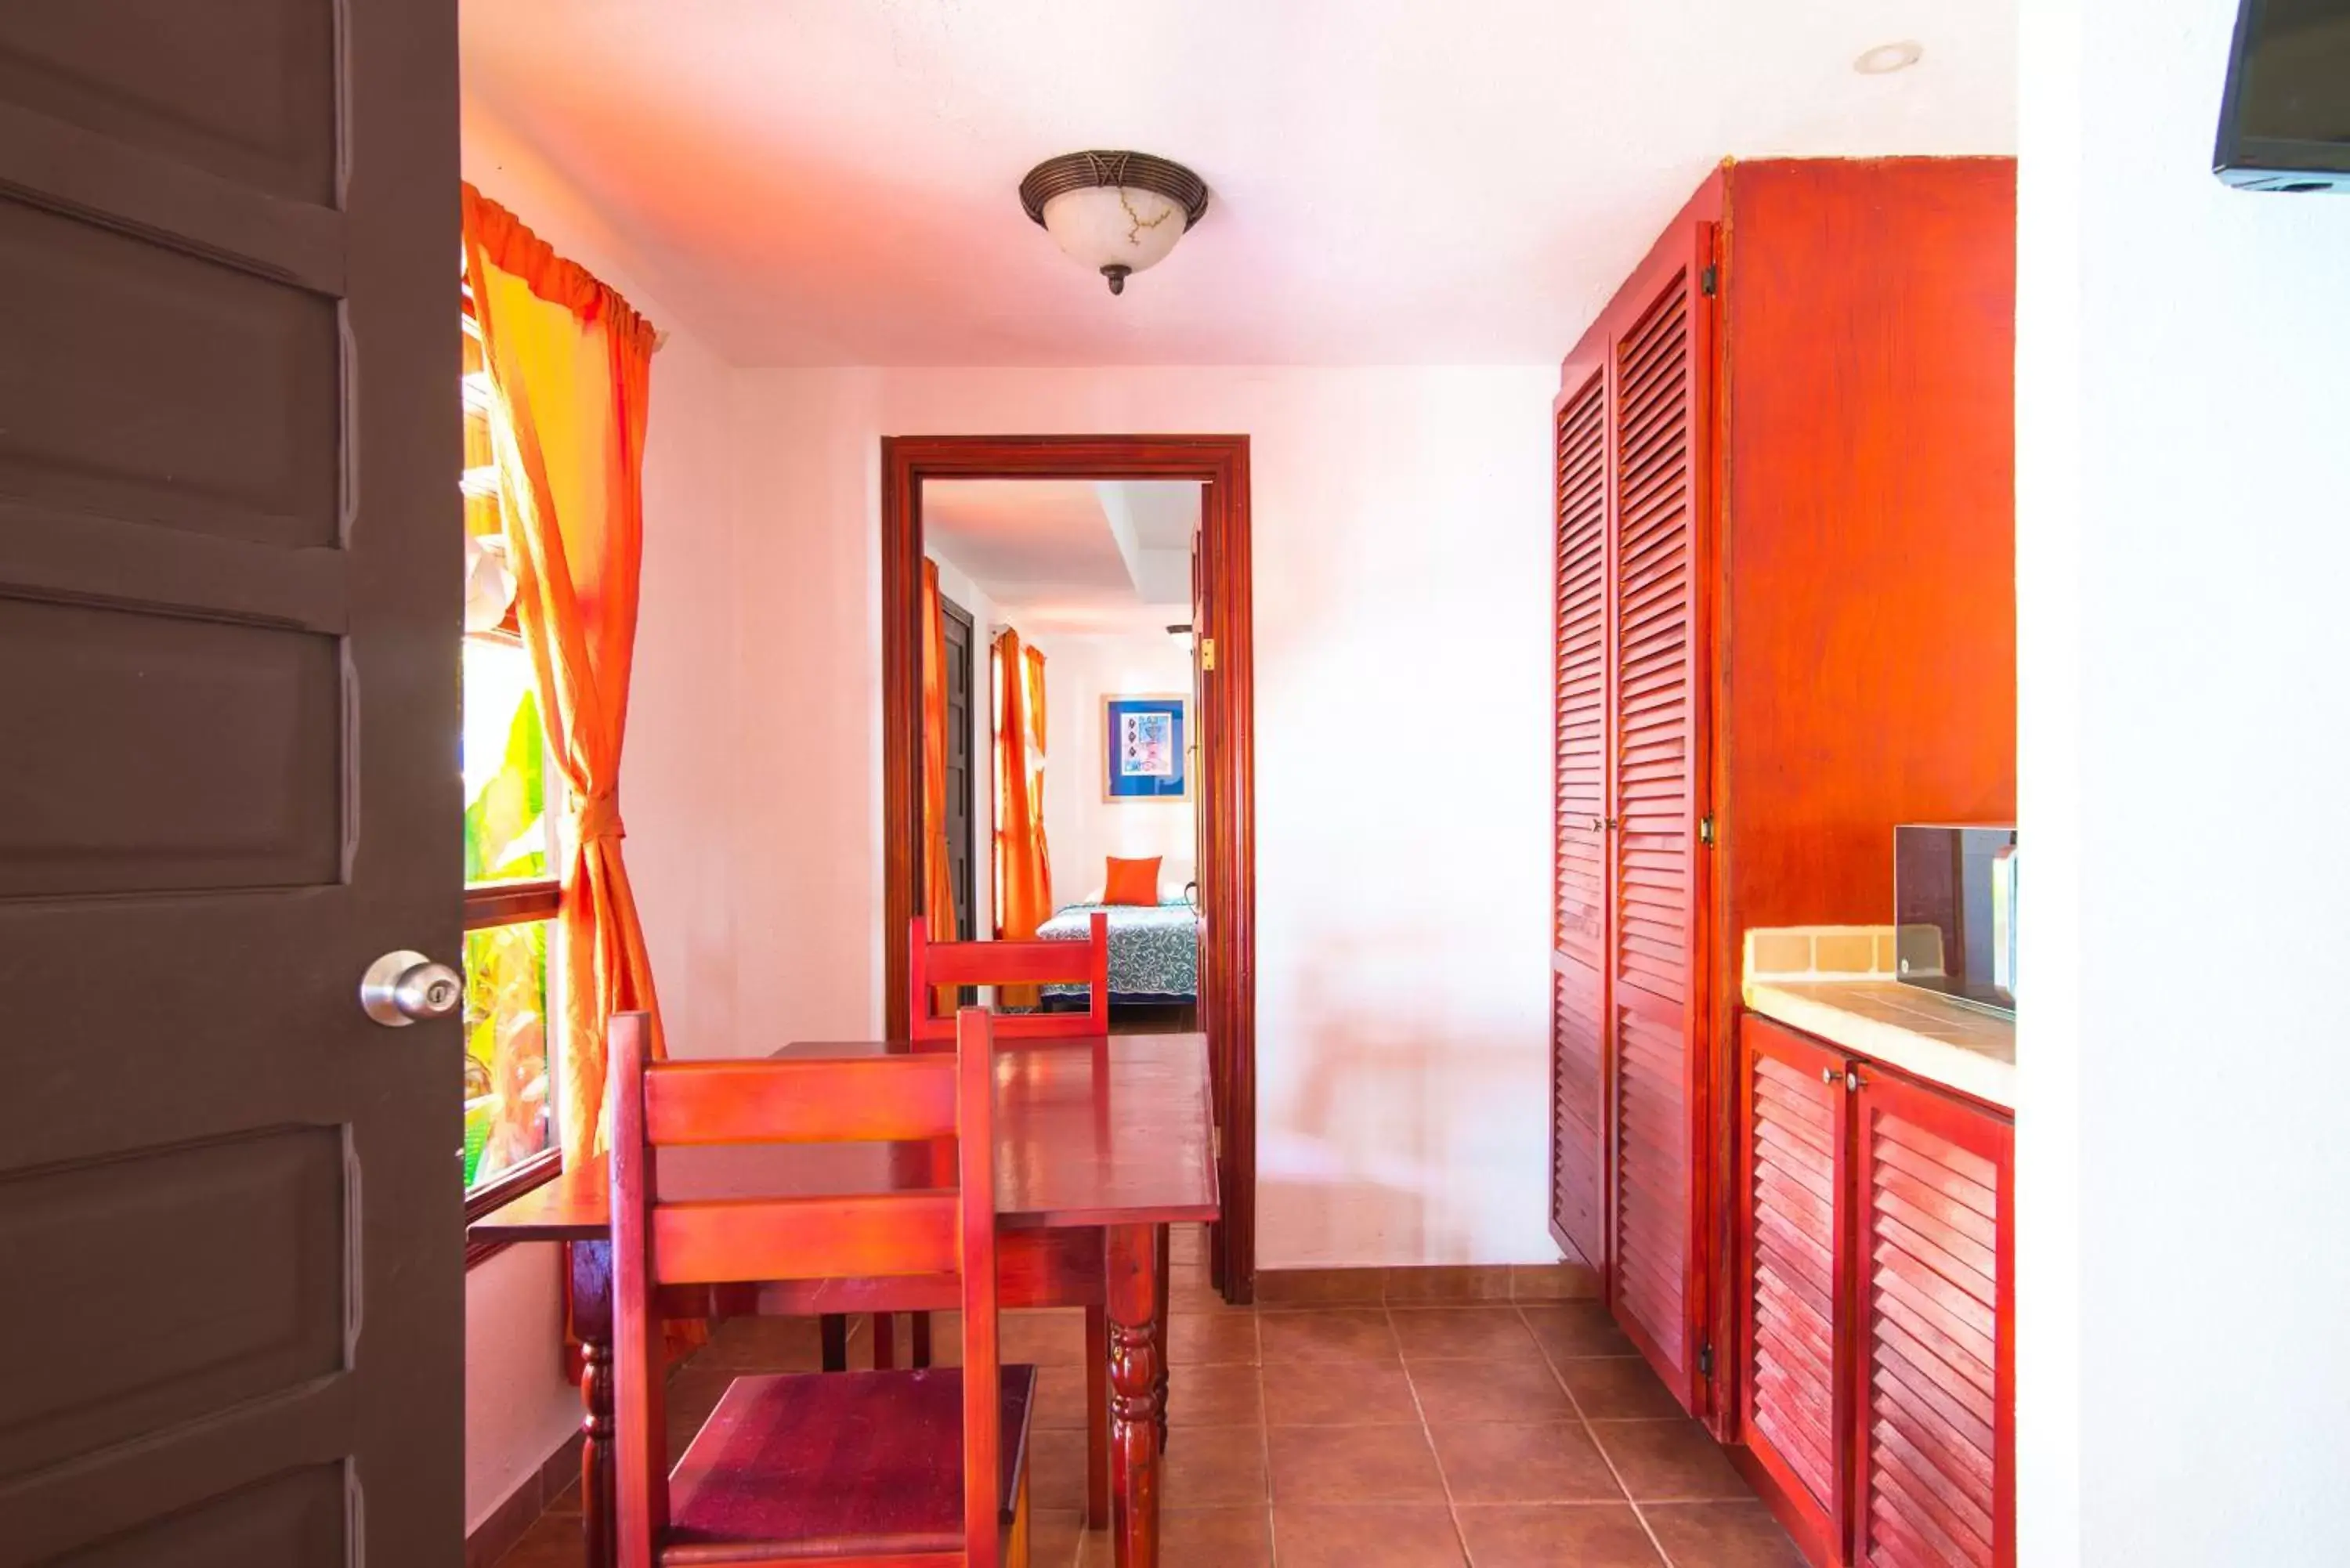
1842,991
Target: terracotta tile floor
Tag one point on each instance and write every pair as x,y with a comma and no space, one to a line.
1504,1436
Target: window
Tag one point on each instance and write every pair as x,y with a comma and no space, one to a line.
511,894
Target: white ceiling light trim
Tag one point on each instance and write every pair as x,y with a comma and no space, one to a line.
1116,213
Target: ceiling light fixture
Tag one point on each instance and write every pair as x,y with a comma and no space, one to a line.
1886,58
1117,213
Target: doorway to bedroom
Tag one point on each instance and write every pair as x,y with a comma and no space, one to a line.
1066,725
1067,737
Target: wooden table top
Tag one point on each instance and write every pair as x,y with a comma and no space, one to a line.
1097,1131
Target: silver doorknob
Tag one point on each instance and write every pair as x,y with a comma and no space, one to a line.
401,988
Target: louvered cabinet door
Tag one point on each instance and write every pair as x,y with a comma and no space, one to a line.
1793,1220
1934,1467
1654,990
1579,932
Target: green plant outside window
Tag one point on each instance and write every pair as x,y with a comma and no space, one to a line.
509,1109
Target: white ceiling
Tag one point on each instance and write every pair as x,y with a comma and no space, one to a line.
1393,182
1071,556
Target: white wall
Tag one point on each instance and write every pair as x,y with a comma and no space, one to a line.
678,795
1083,829
1402,579
2184,546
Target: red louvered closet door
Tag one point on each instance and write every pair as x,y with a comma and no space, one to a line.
1655,992
1934,1467
1793,1217
1579,929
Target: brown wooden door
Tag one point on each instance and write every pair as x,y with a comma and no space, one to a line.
1656,980
1580,673
230,1208
1934,1467
1793,1287
955,623
1196,741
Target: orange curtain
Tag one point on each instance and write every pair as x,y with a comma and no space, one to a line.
1033,673
1024,882
571,364
937,884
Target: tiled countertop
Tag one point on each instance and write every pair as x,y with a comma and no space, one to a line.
1868,1012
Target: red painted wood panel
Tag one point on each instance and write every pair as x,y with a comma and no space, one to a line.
1652,694
1935,1446
1868,574
1794,1285
1578,955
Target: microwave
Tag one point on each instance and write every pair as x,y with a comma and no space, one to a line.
1954,911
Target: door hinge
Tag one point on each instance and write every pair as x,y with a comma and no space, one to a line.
1207,653
1215,1143
1709,280
1705,1360
1705,831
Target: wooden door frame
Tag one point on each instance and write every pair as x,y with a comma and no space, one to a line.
1226,792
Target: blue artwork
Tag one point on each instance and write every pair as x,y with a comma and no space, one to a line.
1143,743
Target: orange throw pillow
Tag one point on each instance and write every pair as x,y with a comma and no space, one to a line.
1132,881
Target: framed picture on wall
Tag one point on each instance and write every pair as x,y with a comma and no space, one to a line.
1143,748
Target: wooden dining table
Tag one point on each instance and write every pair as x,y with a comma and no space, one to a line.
1101,1143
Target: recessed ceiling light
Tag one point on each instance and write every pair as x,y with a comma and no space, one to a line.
1886,58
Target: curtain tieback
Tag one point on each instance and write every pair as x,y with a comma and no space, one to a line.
599,818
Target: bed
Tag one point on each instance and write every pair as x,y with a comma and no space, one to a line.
1154,952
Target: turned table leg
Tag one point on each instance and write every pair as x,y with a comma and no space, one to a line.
591,1325
1136,1397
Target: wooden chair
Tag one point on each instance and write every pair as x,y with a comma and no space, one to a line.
935,964
854,1470
932,965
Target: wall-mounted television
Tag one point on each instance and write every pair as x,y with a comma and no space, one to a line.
2284,124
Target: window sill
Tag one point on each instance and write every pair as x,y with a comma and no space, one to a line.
502,1190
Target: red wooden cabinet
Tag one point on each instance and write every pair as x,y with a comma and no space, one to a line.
1795,1268
1876,1283
1934,1471
1783,510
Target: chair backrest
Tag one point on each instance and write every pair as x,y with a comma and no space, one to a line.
798,1100
932,965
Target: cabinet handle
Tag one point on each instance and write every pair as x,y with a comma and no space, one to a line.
1852,1078
1829,1075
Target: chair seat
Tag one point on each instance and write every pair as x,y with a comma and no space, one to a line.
817,1463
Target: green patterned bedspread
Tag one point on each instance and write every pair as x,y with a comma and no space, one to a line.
1154,952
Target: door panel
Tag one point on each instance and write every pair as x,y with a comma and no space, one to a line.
1654,699
1793,1210
244,91
230,1206
1936,1440
229,385
1578,948
203,754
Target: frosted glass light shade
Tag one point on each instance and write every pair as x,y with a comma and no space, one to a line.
1117,212
1105,226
